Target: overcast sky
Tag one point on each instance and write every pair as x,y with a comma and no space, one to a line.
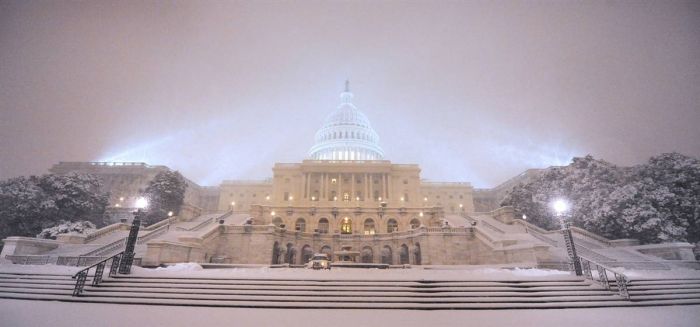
471,91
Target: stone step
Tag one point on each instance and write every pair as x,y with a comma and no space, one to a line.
358,305
307,299
294,288
498,293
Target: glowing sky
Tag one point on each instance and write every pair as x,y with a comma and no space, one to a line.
471,91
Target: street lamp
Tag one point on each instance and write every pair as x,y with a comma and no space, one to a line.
128,256
561,209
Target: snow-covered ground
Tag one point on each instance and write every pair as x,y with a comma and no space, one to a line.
19,313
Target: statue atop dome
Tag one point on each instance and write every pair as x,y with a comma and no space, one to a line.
346,134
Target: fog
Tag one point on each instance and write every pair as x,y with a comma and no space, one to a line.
470,91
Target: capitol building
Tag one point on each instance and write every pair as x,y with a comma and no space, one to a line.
346,200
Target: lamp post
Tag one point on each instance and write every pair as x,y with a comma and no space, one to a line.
561,209
128,257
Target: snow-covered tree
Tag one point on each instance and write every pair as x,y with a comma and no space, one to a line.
680,176
76,197
30,204
24,207
64,227
654,202
166,192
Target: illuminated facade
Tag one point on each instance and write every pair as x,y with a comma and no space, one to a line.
346,200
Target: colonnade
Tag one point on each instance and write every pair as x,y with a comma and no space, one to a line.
333,182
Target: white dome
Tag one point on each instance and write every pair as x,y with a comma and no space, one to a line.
346,135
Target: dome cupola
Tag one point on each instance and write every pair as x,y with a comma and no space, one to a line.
346,134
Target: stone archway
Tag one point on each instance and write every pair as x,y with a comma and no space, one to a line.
387,255
417,255
291,254
403,254
366,255
276,253
306,254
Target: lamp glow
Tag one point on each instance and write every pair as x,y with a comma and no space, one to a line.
170,213
560,206
141,203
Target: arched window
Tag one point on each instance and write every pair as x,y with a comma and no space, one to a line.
300,225
367,256
403,254
386,255
415,223
369,226
392,226
277,222
346,226
323,226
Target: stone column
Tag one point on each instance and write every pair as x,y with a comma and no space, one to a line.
352,187
340,186
384,191
388,186
370,195
366,191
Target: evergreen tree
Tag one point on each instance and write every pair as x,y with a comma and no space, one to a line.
165,193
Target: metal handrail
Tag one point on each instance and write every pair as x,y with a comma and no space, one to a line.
621,280
81,276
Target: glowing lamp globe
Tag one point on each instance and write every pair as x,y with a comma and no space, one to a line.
141,203
560,206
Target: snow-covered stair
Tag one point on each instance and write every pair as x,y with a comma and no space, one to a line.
570,292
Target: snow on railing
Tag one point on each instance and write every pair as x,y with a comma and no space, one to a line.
492,227
104,230
588,235
602,277
59,260
81,276
543,238
29,259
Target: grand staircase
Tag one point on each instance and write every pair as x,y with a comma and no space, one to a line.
536,292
